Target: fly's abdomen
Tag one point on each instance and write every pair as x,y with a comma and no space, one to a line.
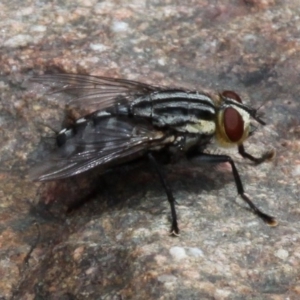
101,139
102,131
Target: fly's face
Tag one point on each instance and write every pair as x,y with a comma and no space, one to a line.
233,124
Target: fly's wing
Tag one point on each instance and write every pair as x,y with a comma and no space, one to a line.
113,140
95,92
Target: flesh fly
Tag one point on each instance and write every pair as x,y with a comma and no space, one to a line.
130,119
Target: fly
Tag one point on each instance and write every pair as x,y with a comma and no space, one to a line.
130,119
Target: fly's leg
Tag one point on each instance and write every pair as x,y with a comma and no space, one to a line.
211,158
257,160
174,227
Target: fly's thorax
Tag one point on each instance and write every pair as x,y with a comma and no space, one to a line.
187,141
189,112
165,140
232,120
199,127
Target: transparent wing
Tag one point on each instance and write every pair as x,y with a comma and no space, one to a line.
112,141
96,92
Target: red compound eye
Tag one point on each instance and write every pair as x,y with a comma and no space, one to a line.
232,95
233,124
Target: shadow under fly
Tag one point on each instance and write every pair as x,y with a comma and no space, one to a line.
130,119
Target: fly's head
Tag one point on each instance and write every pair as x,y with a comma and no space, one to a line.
234,120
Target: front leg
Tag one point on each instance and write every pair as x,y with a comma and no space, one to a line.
257,160
213,158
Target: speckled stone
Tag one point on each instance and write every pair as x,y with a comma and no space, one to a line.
117,246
